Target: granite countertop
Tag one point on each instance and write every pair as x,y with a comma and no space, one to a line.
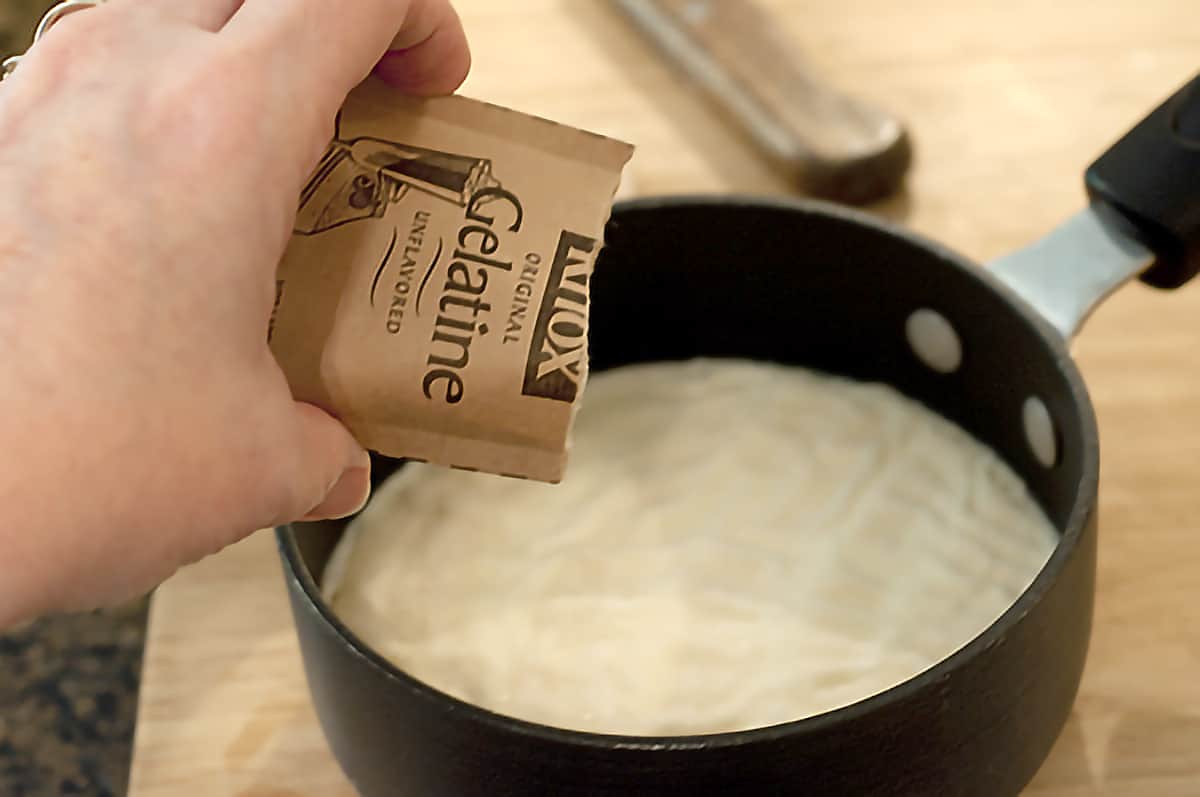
68,685
68,700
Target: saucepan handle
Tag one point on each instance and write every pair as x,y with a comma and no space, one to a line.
1152,178
1143,221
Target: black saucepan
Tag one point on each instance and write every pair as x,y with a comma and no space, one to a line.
825,288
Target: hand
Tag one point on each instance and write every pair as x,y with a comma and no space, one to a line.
152,154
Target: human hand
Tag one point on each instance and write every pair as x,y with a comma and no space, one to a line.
152,153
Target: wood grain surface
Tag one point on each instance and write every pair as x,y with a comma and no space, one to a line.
834,145
1008,101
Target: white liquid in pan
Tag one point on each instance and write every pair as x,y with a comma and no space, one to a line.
735,545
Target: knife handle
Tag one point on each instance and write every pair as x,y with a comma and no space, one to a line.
832,145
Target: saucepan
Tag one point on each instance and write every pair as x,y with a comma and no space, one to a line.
823,287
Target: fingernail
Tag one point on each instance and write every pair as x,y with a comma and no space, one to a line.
347,497
392,68
410,75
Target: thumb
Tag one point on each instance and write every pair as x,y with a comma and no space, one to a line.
330,475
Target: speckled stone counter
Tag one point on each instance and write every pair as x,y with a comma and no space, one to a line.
68,700
68,685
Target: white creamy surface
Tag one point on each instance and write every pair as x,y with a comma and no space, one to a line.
735,545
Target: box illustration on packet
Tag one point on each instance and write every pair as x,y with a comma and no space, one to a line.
440,312
362,178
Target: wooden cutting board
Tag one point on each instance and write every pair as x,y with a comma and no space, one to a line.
1008,101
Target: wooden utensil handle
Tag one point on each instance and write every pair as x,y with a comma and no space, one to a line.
833,145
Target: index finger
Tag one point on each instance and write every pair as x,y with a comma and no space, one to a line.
330,46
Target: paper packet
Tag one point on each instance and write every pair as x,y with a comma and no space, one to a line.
434,296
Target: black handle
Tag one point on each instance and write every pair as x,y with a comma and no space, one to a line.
1152,178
